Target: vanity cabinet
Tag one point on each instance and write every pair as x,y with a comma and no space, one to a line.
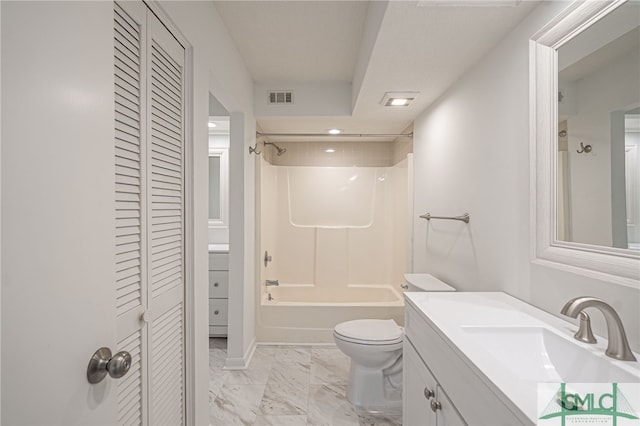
426,403
430,362
218,293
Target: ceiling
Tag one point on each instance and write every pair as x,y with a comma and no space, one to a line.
377,46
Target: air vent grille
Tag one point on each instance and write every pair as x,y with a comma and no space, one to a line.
280,97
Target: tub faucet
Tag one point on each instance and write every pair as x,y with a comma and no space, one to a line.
618,346
272,282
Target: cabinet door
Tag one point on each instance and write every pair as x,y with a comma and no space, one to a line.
417,382
447,415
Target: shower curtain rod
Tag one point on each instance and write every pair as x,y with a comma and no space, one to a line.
341,135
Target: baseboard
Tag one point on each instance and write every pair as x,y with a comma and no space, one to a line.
243,362
295,344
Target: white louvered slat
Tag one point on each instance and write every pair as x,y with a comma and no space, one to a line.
166,170
129,19
128,167
167,360
166,225
130,386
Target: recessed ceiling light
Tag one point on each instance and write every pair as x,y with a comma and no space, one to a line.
212,125
335,131
398,99
330,150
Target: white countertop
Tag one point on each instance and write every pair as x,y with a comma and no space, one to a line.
218,248
458,316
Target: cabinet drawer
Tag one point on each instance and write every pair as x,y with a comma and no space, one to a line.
218,261
217,330
217,311
218,284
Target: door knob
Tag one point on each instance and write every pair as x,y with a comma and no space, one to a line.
102,363
145,316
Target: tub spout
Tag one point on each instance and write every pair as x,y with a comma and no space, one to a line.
618,346
272,282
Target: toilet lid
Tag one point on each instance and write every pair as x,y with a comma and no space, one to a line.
370,331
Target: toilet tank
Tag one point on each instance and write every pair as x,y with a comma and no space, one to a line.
426,282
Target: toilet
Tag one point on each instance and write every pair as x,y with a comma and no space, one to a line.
375,349
375,377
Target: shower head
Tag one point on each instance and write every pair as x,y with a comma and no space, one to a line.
280,150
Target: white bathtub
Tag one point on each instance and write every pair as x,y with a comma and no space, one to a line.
291,318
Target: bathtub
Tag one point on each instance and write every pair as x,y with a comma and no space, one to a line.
290,318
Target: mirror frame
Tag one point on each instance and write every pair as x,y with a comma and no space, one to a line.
612,264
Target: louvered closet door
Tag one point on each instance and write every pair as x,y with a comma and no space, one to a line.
149,216
130,147
165,62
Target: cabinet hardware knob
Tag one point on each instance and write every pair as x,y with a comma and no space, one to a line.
216,312
435,405
215,284
428,393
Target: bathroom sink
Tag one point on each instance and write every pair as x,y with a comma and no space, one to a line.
512,347
537,354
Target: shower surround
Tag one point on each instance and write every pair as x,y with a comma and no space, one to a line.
336,228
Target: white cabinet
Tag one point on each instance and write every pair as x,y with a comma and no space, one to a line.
425,402
431,361
418,385
218,293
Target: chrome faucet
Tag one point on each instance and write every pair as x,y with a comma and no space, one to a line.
618,347
272,282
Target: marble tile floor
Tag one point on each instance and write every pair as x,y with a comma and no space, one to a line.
284,386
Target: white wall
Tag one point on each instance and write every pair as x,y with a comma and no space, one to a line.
471,154
219,69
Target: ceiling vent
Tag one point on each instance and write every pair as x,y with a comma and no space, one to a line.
280,97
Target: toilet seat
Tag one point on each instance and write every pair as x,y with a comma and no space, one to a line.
370,332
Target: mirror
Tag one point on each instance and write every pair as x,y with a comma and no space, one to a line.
585,103
215,179
219,129
218,170
597,148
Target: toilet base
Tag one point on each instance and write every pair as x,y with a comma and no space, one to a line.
372,392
